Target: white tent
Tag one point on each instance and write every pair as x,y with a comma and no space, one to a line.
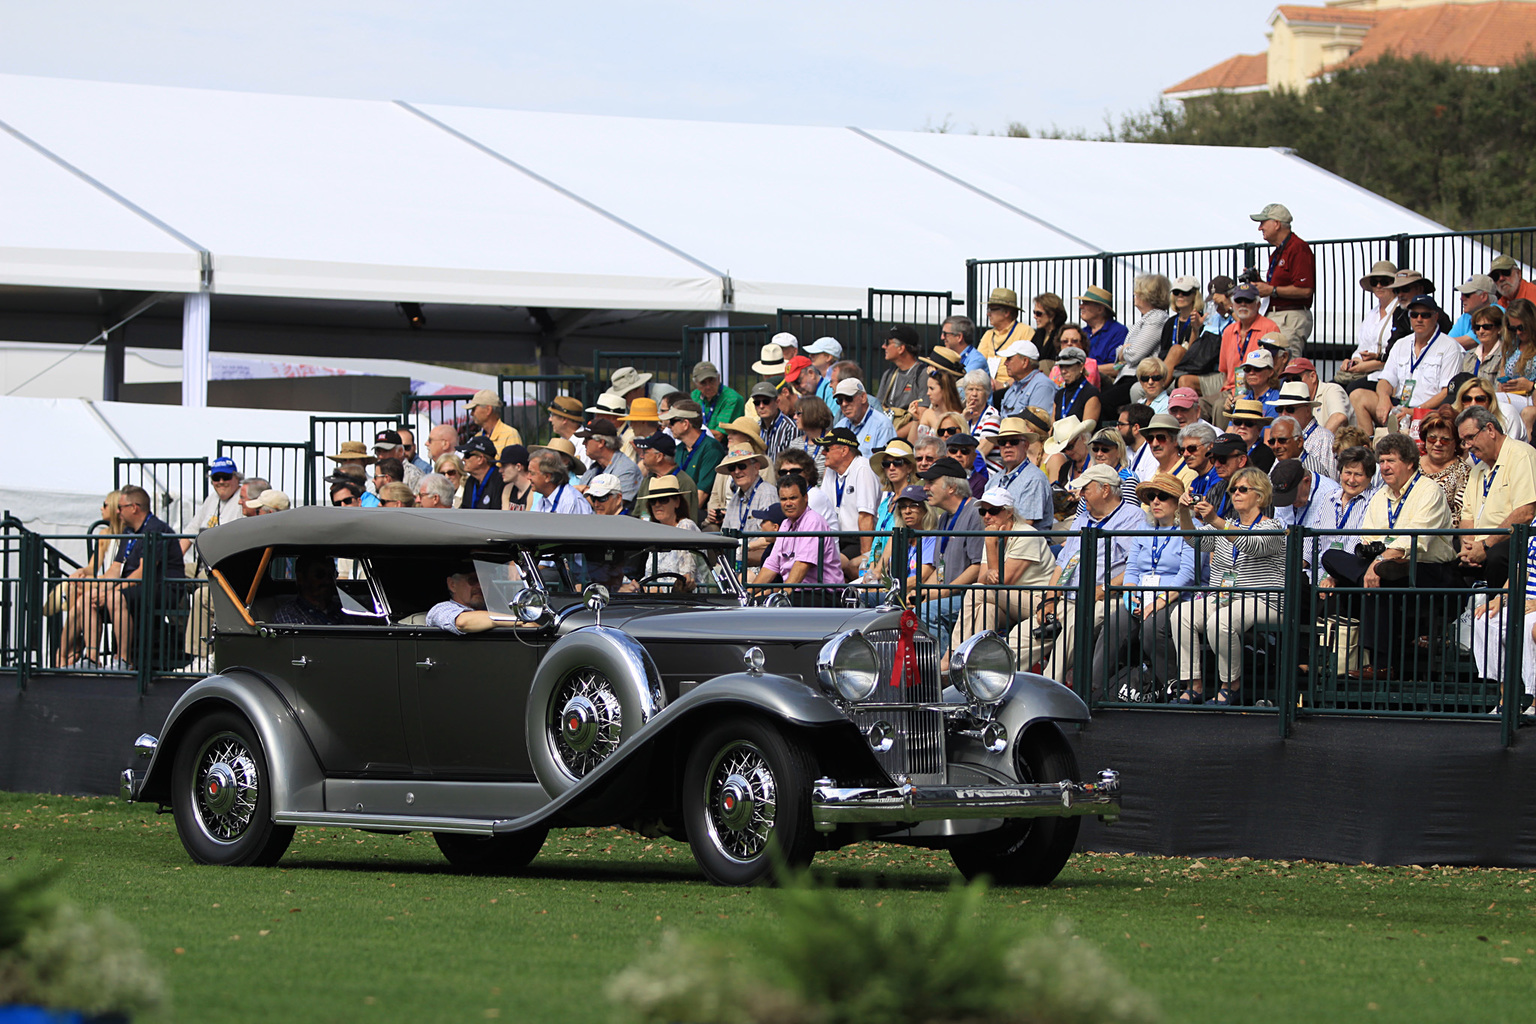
118,186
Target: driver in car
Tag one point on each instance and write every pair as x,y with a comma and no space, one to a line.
464,611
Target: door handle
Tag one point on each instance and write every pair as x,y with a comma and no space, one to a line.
301,661
427,665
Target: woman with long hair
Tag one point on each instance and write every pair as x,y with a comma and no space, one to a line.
1516,386
451,466
814,418
896,468
943,396
86,590
1486,359
1108,447
668,507
1049,315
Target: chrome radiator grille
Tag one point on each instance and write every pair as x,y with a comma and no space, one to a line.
928,689
919,741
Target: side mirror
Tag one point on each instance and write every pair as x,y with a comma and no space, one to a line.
597,598
530,605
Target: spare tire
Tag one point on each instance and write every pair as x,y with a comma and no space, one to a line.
592,691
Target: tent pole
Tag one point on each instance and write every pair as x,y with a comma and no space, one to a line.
194,350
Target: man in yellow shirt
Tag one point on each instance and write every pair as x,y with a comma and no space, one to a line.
485,408
1003,315
1500,492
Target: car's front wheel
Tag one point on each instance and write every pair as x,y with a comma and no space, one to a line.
747,802
1027,851
491,855
222,794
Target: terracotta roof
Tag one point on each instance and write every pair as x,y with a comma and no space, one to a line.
1245,71
1326,15
1469,35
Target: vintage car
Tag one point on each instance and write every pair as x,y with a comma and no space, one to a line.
622,676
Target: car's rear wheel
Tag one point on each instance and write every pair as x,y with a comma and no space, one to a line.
747,802
491,855
222,794
1026,851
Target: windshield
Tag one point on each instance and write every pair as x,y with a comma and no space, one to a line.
642,572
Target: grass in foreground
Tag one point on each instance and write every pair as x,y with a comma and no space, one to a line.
353,926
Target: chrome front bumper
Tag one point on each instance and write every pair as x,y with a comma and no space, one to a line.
832,806
129,781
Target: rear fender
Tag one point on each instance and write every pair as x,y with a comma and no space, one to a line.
295,776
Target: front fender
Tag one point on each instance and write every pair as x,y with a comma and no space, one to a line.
1033,698
297,782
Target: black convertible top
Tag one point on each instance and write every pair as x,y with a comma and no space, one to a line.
429,527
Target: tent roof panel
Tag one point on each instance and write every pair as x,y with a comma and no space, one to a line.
302,195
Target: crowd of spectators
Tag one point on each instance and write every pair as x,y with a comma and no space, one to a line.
1200,415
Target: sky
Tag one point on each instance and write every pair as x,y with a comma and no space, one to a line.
971,65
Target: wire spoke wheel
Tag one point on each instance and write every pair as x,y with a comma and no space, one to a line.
227,785
742,800
585,722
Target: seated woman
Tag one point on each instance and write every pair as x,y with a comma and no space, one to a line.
1152,378
1247,569
895,467
1490,626
1013,562
1145,610
669,508
85,594
1108,448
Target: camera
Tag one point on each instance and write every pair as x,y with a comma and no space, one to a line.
1370,550
1249,276
1048,630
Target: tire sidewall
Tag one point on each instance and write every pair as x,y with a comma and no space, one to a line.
255,844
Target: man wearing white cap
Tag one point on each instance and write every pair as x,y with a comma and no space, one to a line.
872,427
1477,292
606,495
1022,561
485,409
1258,379
823,352
1030,387
1103,507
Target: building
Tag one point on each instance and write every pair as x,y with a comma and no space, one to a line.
1308,42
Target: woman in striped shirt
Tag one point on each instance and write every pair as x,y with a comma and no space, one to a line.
1247,571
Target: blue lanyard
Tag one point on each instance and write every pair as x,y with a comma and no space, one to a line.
1063,404
1488,480
1340,519
1157,549
1414,365
709,407
1308,432
944,541
746,506
1301,517
840,482
1274,259
1242,353
1137,460
554,503
1100,524
689,453
479,489
1392,516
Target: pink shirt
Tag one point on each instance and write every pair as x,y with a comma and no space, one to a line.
820,552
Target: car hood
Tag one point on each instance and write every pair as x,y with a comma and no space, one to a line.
736,625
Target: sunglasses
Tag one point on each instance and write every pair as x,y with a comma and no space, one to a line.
762,400
1041,312
1241,489
1440,439
1102,449
950,334
1192,449
1160,496
843,399
1148,378
948,431
1420,314
344,501
1406,289
1182,292
1499,275
984,510
450,472
1485,327
1478,399
1158,439
1380,282
1245,302
1517,328
1229,458
1012,443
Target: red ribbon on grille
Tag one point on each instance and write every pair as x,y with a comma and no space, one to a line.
904,669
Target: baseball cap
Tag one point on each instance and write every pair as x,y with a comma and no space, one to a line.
1260,359
1186,283
603,485
944,467
1301,364
1098,473
479,444
1476,283
1023,347
763,389
785,340
1502,263
838,435
1229,444
387,439
913,492
1286,478
1183,398
1274,211
997,497
1246,291
660,442
705,371
277,501
484,397
907,336
1221,284
223,464
772,514
849,386
597,427
513,455
1423,300
824,346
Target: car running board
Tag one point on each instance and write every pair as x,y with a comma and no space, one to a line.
389,822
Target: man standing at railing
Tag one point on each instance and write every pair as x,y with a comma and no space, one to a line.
126,602
485,409
1500,492
1390,624
1291,278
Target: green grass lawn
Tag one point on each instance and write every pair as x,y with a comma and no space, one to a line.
362,927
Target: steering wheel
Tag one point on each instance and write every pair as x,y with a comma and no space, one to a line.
673,580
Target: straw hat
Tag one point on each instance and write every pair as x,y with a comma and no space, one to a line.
1250,410
1381,268
1162,483
747,428
898,450
1064,431
641,410
663,487
743,455
353,451
1093,293
558,444
1292,394
1004,297
945,361
567,408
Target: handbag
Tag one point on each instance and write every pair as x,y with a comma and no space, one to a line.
57,599
1341,635
1202,356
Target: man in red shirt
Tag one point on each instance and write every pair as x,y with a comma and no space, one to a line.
1507,281
1291,279
1243,335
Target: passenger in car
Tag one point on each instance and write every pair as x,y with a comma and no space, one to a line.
464,611
317,603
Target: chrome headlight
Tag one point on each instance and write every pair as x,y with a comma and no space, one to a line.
983,667
848,666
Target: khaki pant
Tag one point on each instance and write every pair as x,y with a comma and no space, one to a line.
1058,653
1296,325
995,609
1221,627
199,620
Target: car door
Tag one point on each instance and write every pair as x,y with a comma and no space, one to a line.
347,680
467,703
